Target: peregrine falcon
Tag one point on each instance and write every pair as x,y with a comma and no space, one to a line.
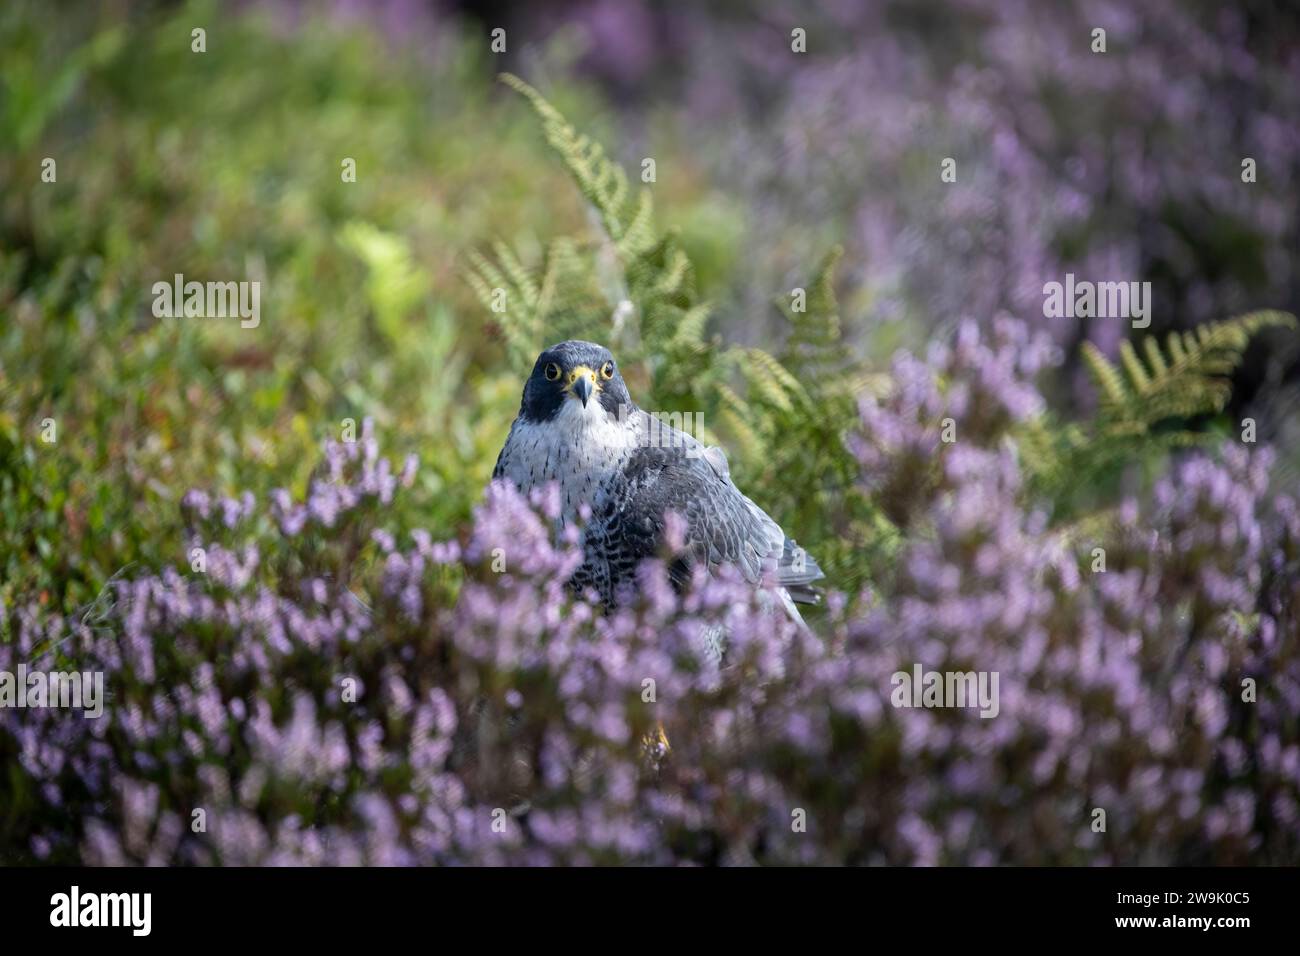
578,427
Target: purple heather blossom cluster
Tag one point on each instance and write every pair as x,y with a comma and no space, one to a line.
1123,684
356,698
991,387
1116,166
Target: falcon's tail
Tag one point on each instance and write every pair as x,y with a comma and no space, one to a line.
788,605
796,571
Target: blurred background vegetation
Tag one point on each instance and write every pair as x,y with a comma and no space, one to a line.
225,165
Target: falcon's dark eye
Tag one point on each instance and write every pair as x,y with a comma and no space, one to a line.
552,372
607,370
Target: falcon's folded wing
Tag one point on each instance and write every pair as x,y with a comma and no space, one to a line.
722,525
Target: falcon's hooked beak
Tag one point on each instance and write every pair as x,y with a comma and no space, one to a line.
582,383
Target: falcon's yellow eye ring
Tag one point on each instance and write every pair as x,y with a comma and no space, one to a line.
552,372
607,370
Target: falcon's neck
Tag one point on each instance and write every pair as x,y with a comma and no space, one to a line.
580,448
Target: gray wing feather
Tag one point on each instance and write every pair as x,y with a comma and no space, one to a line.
679,474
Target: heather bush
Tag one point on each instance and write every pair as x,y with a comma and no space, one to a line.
353,698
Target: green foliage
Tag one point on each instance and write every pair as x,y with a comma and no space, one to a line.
1146,405
629,286
361,311
1188,378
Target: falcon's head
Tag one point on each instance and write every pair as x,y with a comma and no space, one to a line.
582,373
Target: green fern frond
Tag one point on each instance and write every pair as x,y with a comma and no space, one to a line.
1104,375
771,379
486,272
822,301
736,413
628,222
1159,367
689,333
1143,403
481,286
814,346
638,234
521,277
562,264
1133,367
1190,380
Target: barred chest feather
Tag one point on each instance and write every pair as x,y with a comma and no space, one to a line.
583,449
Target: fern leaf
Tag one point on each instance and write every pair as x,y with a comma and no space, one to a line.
519,275
1137,375
1189,378
772,379
1105,375
1157,361
689,333
601,181
1191,381
638,236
